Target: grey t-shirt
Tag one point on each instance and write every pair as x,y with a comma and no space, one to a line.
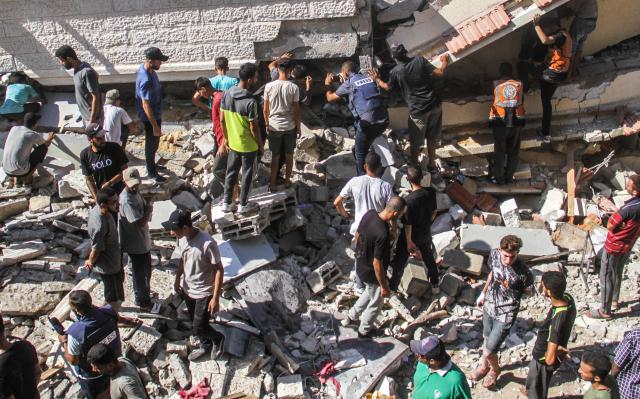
134,239
85,80
282,96
367,193
17,150
504,303
198,255
104,238
127,384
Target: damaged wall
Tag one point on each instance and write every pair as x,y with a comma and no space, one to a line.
112,35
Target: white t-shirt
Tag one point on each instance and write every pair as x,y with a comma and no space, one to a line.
114,118
198,255
282,95
367,193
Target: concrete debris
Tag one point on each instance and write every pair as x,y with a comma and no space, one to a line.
482,239
290,387
414,280
510,213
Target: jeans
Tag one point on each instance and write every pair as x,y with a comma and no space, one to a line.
611,269
200,316
494,332
506,145
151,144
402,256
366,133
538,379
368,305
141,268
248,162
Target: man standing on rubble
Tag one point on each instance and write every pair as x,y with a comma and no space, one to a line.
550,348
415,237
135,240
507,282
366,105
373,250
558,63
102,162
85,80
105,257
239,117
417,78
198,280
368,192
506,118
624,229
282,119
149,107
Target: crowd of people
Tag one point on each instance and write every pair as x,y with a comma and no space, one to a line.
387,229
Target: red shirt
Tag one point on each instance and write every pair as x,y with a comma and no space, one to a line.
215,117
626,228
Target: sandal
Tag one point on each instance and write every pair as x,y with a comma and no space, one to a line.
479,373
491,379
597,314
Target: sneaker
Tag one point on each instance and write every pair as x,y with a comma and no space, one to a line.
346,322
365,336
228,207
251,206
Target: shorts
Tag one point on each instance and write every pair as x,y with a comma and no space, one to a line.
427,125
36,157
282,142
494,332
113,286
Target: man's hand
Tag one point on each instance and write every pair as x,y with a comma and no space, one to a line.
224,149
50,136
157,131
308,80
373,74
411,246
329,79
214,305
88,264
444,58
287,55
62,338
106,184
536,20
385,292
176,286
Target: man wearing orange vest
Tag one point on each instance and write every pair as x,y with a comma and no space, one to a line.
559,60
506,118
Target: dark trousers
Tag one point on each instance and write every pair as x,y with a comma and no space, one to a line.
402,257
611,273
506,150
547,89
538,379
141,268
366,133
151,144
200,316
235,161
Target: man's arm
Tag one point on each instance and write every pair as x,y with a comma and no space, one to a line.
550,356
214,305
197,101
95,106
148,111
265,112
298,116
91,185
255,131
408,231
133,128
615,369
91,261
331,94
544,39
615,221
381,277
339,205
114,180
179,272
373,73
480,300
146,217
444,64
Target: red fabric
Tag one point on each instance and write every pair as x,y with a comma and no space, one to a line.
626,228
326,374
215,117
200,391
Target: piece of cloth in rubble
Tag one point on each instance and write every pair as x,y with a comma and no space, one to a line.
200,391
326,374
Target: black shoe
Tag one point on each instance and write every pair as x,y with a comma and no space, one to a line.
159,179
365,336
161,168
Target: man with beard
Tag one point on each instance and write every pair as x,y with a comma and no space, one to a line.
85,80
149,107
102,162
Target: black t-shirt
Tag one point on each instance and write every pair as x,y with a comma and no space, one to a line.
417,84
420,207
556,328
18,371
104,165
373,242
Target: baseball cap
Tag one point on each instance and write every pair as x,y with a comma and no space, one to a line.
131,177
154,53
94,130
430,347
111,96
177,219
397,49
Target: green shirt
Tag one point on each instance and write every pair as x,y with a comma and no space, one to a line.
446,383
239,109
611,393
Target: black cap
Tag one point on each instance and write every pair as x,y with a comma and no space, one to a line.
178,219
398,50
154,53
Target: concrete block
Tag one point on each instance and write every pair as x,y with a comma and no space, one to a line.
144,340
443,201
290,387
161,212
12,208
179,370
445,241
469,294
21,251
569,236
178,347
465,262
40,202
492,219
414,280
474,166
457,213
186,200
451,284
554,200
481,239
510,213
323,276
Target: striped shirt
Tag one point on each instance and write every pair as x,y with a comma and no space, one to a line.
626,228
628,359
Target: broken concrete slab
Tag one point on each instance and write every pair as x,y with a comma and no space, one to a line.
179,370
569,236
290,387
414,279
21,251
341,166
553,202
464,262
451,284
510,213
186,200
161,212
482,239
324,275
241,257
143,341
40,203
13,207
444,242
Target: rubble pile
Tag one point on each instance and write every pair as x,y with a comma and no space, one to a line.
289,268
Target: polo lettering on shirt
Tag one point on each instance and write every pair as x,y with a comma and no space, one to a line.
102,164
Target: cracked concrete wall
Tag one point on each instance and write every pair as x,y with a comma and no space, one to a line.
112,34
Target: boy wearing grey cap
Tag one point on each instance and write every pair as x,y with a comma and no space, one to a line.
114,117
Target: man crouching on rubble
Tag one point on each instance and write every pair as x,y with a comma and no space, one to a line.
373,250
198,280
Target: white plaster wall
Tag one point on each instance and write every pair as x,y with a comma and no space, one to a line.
112,34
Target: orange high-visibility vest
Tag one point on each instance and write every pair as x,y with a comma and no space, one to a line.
507,94
560,57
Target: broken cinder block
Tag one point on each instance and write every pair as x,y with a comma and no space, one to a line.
451,284
414,280
323,276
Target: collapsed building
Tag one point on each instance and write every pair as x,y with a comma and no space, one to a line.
287,269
